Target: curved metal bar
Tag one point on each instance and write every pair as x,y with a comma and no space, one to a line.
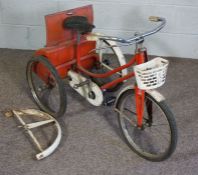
120,45
53,146
157,29
48,119
138,37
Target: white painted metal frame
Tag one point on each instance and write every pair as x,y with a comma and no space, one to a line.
113,45
48,119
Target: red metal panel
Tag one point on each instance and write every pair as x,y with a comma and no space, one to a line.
55,33
61,43
65,52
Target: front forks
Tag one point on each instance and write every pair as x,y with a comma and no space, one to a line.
139,100
141,57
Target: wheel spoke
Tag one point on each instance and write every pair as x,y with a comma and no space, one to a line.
161,135
42,88
125,117
46,86
134,113
151,142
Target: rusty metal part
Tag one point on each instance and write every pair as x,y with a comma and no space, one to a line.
44,120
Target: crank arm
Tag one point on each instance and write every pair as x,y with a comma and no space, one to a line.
83,83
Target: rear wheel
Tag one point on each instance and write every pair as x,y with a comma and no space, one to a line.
46,86
109,58
157,140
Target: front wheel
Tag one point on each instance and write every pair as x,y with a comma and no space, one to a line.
46,86
157,140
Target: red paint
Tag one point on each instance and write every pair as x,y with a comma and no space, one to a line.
139,99
107,74
118,80
60,45
64,53
140,94
55,33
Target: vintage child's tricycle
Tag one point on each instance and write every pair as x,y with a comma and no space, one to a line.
94,64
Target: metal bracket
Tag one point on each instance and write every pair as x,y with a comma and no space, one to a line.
46,119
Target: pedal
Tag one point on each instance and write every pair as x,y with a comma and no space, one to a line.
109,101
83,83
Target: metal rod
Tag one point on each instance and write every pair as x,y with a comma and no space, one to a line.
34,140
108,67
124,116
137,38
28,131
37,124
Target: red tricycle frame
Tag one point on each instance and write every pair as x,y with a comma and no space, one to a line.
64,53
71,53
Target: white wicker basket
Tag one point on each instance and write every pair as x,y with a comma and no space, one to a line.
152,74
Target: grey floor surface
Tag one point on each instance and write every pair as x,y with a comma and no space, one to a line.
91,142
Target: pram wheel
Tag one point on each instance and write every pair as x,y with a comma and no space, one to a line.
46,86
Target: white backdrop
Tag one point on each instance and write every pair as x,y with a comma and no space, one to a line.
22,22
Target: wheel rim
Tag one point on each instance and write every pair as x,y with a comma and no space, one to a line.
153,141
46,94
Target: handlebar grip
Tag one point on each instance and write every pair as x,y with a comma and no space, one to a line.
154,18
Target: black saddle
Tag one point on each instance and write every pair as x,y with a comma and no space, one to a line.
79,23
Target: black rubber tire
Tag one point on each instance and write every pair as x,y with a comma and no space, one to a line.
102,81
63,100
171,122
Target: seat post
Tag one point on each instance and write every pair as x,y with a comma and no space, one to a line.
78,46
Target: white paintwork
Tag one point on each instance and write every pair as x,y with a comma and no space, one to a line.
156,95
84,90
37,124
117,50
93,36
121,92
25,22
120,55
47,119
